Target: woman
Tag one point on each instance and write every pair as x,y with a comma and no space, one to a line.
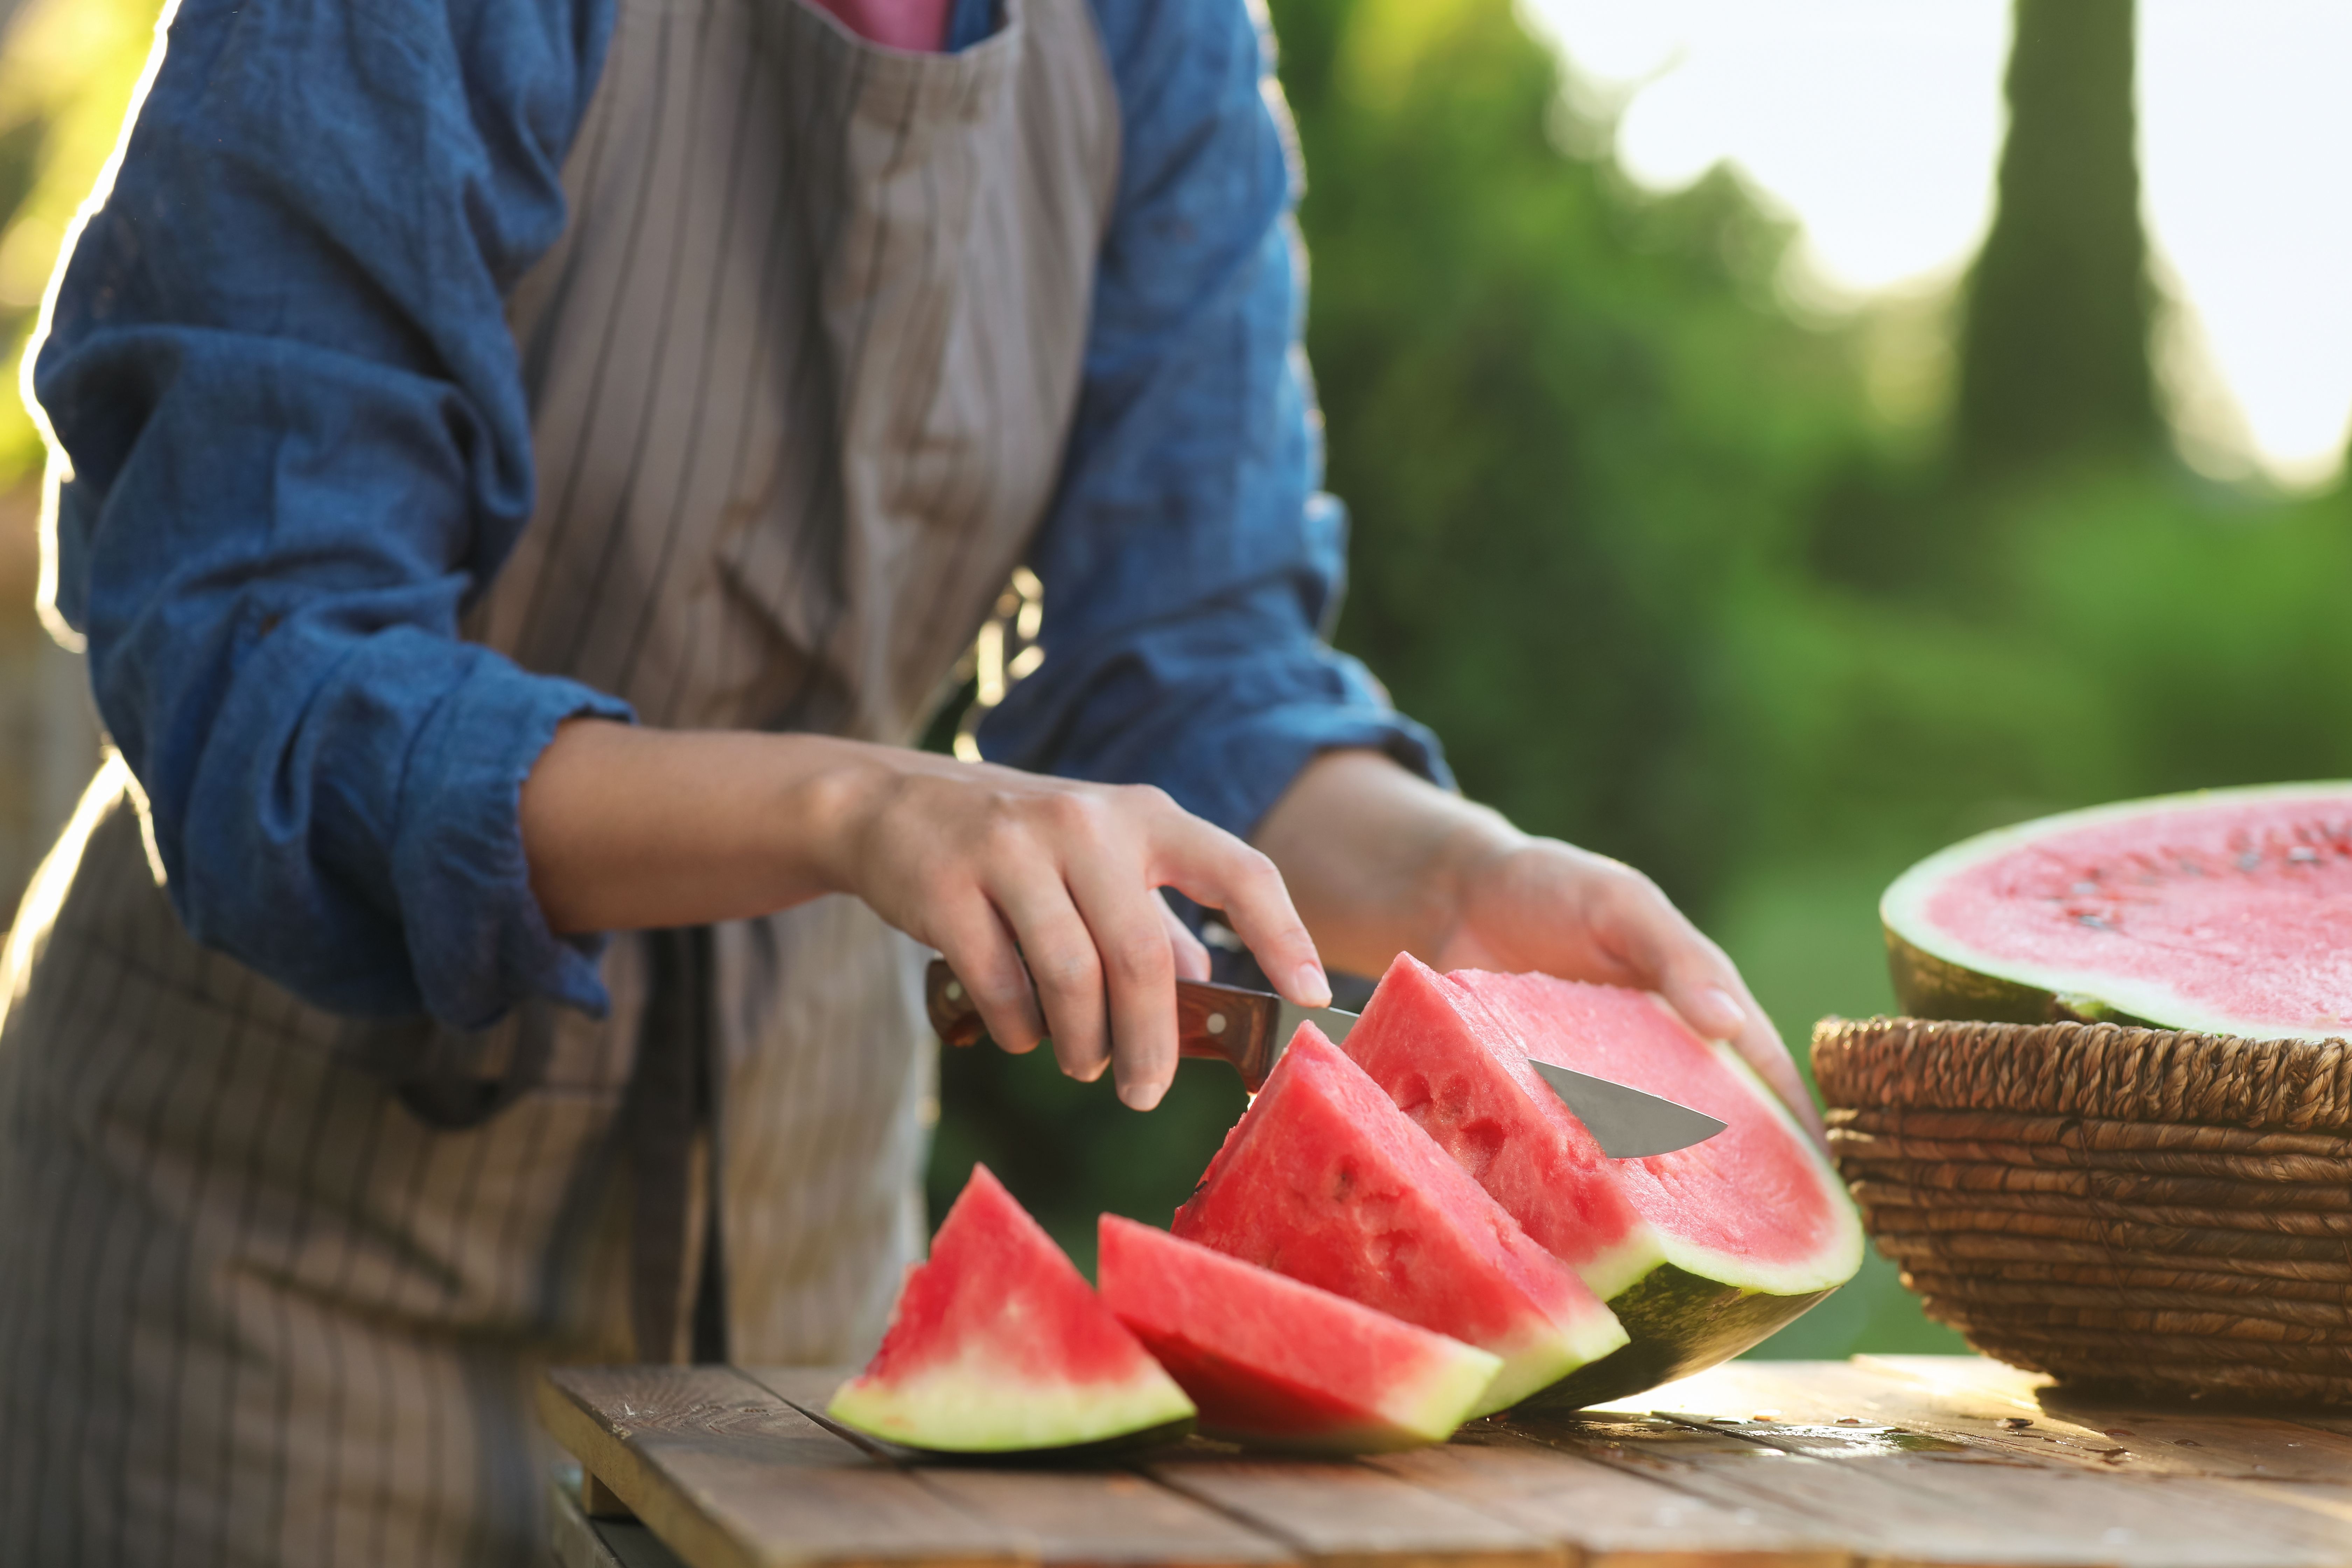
526,472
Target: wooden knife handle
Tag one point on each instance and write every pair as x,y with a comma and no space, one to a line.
1222,1021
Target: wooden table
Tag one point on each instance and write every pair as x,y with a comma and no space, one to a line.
1880,1460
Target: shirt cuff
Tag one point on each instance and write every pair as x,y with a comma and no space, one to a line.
478,943
1236,777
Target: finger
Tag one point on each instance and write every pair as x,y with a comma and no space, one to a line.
1063,966
1707,990
1191,953
1124,914
1761,1047
1211,866
1698,980
980,950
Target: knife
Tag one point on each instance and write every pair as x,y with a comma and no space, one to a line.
1249,1028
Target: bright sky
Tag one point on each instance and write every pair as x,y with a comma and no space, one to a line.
1877,124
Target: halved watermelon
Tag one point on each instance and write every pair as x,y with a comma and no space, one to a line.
998,1345
1700,1253
1278,1363
1324,1180
2228,911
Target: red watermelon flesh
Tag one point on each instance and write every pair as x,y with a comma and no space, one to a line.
998,1345
1323,1179
1701,1252
1277,1362
2229,911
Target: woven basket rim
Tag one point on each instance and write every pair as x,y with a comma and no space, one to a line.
2110,1071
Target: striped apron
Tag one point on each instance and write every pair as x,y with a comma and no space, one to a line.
275,1285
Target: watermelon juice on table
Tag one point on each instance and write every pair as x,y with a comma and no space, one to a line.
1275,1363
1323,1179
998,1345
2228,911
1700,1253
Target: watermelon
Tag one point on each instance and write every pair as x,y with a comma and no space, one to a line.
1276,1362
998,1345
1324,1180
1699,1253
2228,911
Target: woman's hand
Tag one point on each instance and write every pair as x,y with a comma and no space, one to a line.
1381,861
1042,893
1544,905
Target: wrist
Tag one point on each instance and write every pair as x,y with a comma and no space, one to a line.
829,806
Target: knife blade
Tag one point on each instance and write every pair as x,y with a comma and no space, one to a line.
1627,1123
1249,1028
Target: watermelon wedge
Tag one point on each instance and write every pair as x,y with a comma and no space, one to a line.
1276,1362
998,1345
1699,1253
1324,1180
2228,911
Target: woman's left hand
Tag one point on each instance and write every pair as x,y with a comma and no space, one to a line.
1539,904
1379,860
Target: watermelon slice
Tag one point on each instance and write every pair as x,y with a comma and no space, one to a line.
2228,911
1322,1179
1700,1253
1280,1363
997,1346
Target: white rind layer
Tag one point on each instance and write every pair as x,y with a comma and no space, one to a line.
1449,1390
1831,1266
973,1407
1903,910
1550,1357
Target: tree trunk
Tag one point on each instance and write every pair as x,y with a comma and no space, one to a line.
2054,350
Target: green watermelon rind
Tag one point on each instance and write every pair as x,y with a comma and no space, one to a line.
1938,975
1691,1307
1679,1323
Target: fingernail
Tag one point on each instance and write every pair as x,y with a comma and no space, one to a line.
1314,987
1139,1096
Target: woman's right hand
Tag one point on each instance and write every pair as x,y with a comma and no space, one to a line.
1042,893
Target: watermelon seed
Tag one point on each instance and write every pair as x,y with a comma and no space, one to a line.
2250,860
2187,1443
2016,1422
2302,856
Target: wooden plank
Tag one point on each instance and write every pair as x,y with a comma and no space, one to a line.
1347,1514
1610,1517
730,1476
1098,1515
1972,1391
1894,1502
576,1540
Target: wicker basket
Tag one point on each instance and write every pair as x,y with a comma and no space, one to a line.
2163,1212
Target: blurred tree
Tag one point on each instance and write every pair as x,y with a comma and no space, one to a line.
1565,417
2054,349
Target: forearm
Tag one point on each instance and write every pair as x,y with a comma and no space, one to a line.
1374,856
627,828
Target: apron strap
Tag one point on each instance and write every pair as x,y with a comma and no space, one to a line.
670,1102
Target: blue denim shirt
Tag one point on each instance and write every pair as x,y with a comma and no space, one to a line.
280,373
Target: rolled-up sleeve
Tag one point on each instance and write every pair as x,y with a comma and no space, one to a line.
1191,564
290,443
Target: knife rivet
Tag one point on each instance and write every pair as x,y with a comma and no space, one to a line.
955,990
1216,1023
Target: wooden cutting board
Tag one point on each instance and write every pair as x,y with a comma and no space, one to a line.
1880,1460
